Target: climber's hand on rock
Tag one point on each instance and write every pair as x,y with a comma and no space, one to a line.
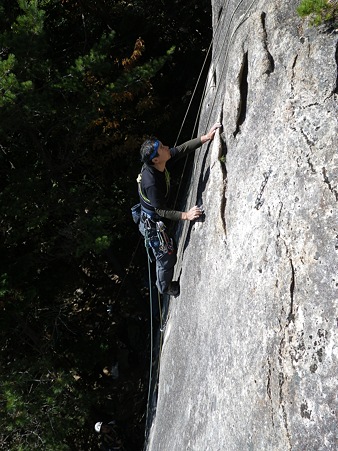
193,213
210,135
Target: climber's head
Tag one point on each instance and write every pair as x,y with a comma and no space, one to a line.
149,150
154,152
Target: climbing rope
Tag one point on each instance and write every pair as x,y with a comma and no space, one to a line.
199,110
127,271
193,95
151,339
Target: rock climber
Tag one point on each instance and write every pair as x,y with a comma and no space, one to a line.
154,190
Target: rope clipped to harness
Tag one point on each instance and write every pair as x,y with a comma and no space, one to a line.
147,243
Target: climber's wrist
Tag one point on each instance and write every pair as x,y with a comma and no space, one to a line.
205,138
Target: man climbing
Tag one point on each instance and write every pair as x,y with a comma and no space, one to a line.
154,189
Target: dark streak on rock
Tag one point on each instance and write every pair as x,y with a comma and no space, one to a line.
220,13
307,139
243,88
327,181
291,316
281,381
304,411
268,390
222,158
335,91
271,67
309,162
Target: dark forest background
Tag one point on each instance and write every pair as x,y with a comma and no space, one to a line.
82,83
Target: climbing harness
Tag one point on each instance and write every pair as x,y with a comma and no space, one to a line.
136,213
259,201
155,235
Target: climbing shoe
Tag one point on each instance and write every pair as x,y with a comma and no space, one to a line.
174,289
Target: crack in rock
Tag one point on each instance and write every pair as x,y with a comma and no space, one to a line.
243,89
291,316
307,139
271,63
327,181
304,411
281,382
335,91
222,158
268,390
293,72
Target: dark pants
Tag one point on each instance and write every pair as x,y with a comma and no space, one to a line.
165,261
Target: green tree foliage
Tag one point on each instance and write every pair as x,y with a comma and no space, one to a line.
81,84
319,10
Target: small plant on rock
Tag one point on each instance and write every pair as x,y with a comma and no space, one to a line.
320,11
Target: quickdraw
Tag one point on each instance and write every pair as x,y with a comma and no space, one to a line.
166,243
259,201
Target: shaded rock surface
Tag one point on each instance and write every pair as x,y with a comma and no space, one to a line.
249,360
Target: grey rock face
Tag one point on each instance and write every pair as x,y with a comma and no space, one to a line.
249,360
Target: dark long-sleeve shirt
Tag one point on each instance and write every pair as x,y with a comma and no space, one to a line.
155,185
